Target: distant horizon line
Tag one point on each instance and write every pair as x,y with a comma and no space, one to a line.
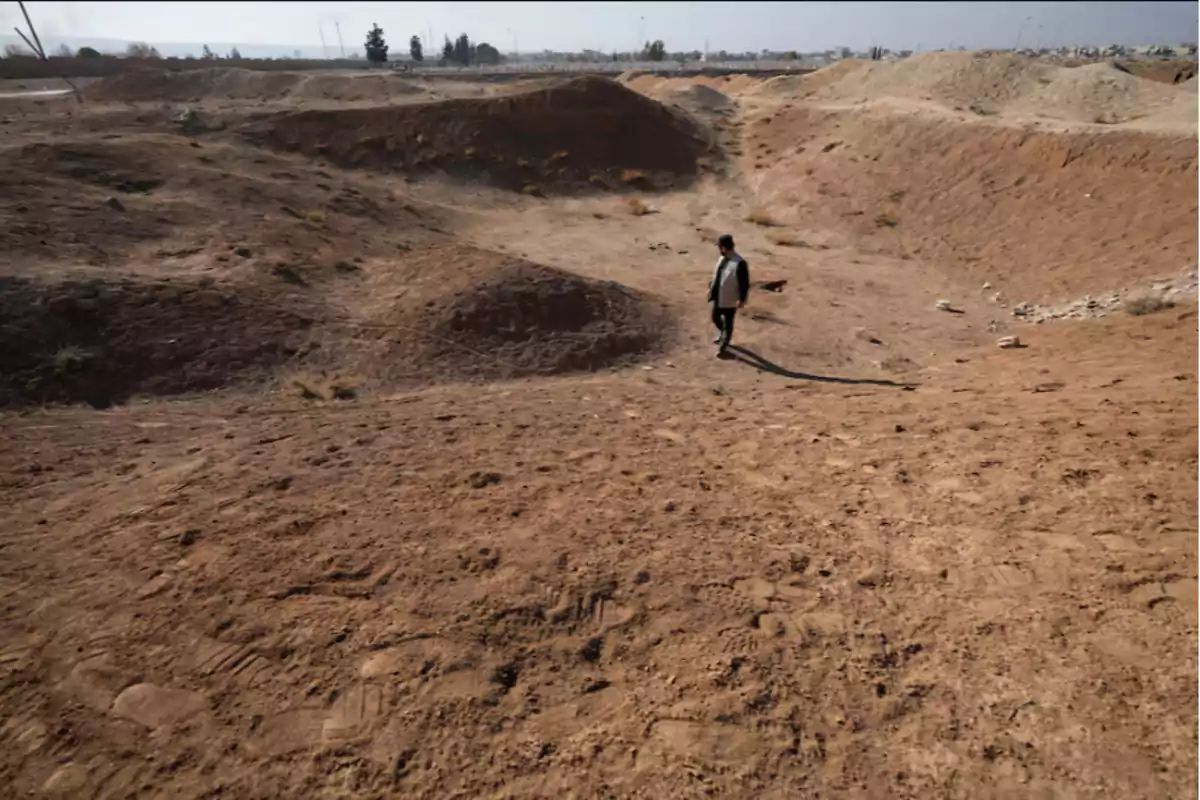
331,51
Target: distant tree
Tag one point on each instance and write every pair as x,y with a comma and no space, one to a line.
448,50
462,50
486,54
140,50
62,51
208,53
235,55
87,52
16,51
415,50
376,47
654,51
791,55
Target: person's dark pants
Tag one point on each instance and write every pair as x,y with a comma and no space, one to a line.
723,319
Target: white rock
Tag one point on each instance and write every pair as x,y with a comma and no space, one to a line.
942,305
1008,342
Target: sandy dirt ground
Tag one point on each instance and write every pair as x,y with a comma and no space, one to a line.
401,465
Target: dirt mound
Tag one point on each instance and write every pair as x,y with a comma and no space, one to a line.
158,199
585,132
1055,215
994,84
474,314
192,85
355,88
224,83
1171,71
1099,93
100,342
951,79
704,98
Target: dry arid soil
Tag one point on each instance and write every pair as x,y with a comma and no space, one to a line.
362,437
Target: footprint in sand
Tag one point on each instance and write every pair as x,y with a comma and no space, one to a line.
97,779
711,743
407,659
14,658
596,612
95,681
241,662
355,713
590,460
158,706
27,735
770,611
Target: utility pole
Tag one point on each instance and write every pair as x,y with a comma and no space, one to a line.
324,48
338,28
1020,30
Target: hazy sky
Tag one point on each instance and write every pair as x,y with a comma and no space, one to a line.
733,26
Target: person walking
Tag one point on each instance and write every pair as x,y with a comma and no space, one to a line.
727,292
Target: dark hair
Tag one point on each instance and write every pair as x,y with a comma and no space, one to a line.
725,241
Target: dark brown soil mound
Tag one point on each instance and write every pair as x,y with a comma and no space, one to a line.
101,342
191,85
586,132
103,202
1163,71
226,83
472,314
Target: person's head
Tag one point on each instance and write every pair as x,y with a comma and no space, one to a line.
725,244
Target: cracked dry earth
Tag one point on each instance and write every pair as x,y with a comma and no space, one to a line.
574,587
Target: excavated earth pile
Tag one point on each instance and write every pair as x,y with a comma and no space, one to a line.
585,133
473,314
100,342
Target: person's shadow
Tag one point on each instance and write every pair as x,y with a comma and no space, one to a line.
753,359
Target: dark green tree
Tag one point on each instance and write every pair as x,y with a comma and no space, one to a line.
654,51
486,54
376,47
462,50
448,50
415,50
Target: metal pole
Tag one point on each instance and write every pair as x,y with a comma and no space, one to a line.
28,22
1020,30
42,53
